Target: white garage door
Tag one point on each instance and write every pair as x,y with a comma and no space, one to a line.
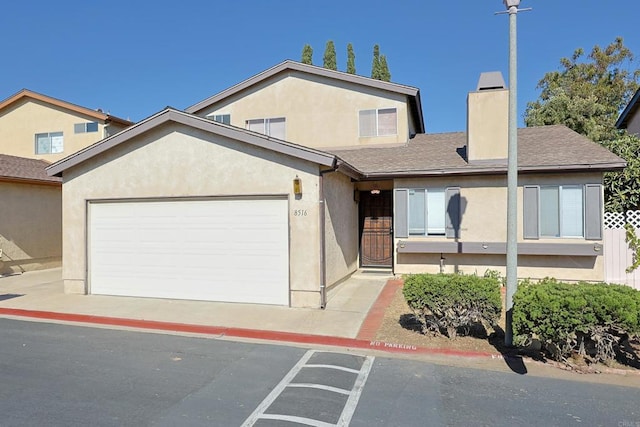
215,250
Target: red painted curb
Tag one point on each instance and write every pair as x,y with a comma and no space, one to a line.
241,333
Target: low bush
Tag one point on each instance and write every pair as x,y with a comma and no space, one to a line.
453,304
585,319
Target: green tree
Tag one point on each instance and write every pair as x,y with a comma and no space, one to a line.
375,67
329,60
587,95
351,60
307,54
622,189
385,75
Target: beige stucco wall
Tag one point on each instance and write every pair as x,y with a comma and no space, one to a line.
319,112
633,124
176,161
341,227
487,125
20,122
30,227
484,218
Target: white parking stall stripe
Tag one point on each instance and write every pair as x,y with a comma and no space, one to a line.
321,387
336,367
277,390
352,402
299,420
347,411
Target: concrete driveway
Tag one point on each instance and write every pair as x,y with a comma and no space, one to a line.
347,306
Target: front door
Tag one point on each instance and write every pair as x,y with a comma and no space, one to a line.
376,223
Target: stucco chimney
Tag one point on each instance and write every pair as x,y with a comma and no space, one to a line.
488,119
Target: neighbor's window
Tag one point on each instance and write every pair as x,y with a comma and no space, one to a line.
49,143
427,212
221,118
274,127
380,122
85,127
561,211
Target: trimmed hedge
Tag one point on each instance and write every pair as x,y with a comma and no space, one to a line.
584,318
453,303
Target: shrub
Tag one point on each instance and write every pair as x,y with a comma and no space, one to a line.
453,303
584,318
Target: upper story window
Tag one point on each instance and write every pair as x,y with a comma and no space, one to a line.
221,118
274,127
85,127
49,143
427,212
379,122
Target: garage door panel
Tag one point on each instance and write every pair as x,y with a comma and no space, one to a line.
221,250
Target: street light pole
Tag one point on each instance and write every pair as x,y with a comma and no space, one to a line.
512,171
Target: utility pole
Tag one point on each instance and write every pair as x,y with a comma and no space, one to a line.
512,170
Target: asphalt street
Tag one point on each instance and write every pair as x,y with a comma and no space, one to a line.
61,375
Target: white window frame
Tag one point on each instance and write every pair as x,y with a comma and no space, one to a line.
377,126
84,127
220,118
50,136
427,231
561,232
267,125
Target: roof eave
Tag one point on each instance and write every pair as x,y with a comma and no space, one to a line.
621,123
348,170
26,93
20,180
603,167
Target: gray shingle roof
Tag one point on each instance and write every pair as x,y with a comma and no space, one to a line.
543,148
23,169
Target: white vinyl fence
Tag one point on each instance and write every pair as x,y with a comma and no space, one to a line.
617,255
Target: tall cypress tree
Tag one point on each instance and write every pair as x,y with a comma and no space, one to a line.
307,54
330,61
385,75
351,60
375,67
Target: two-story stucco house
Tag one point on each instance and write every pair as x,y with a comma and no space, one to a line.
36,130
285,184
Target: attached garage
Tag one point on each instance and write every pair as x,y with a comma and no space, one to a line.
216,249
182,207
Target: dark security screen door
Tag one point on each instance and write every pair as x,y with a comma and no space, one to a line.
376,222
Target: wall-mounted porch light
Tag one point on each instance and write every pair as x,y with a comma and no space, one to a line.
297,186
375,191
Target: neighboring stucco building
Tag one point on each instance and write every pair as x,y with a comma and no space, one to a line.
37,126
285,184
30,216
630,117
35,130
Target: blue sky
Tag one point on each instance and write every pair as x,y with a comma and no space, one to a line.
133,58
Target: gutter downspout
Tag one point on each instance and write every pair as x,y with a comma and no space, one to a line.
323,260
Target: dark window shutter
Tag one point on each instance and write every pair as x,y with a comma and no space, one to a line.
593,212
400,215
452,208
530,211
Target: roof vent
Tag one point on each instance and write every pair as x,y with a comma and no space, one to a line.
491,80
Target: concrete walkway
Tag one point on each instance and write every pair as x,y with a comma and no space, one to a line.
347,306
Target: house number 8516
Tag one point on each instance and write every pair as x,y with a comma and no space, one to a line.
299,212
